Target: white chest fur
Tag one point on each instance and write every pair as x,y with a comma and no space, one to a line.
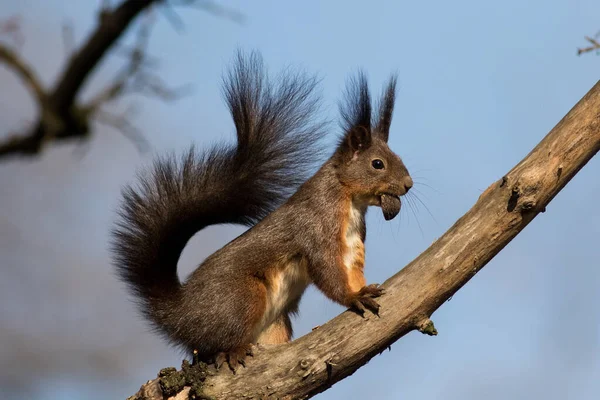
353,237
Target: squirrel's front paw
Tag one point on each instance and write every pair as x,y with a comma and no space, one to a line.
363,299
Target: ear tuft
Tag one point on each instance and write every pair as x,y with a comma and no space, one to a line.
356,108
356,113
386,109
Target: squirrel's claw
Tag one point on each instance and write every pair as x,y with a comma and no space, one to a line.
363,300
357,307
234,364
219,360
373,290
234,357
371,304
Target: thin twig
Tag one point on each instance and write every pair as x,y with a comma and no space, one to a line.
595,46
137,58
24,71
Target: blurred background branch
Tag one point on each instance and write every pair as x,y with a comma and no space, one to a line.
60,116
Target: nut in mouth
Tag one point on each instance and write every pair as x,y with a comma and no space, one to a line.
390,205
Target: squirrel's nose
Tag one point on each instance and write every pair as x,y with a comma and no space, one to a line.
408,183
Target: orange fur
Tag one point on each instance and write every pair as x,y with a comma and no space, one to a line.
258,306
356,277
284,284
353,250
278,332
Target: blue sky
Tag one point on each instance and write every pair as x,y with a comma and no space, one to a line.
480,83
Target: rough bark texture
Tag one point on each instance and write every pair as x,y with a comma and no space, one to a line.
313,363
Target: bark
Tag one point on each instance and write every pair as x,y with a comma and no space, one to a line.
311,364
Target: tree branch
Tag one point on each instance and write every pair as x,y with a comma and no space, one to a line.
112,24
312,363
595,45
60,117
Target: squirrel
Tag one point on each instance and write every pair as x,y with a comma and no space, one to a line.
244,293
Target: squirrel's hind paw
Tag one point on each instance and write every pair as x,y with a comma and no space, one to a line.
234,357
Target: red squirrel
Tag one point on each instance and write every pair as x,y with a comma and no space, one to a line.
245,292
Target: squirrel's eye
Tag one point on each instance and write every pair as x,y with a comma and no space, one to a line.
377,163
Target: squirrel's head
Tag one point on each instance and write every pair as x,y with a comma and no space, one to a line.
365,164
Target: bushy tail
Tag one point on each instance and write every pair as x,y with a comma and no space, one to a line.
277,141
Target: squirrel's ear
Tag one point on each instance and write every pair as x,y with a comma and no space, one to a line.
359,138
386,109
